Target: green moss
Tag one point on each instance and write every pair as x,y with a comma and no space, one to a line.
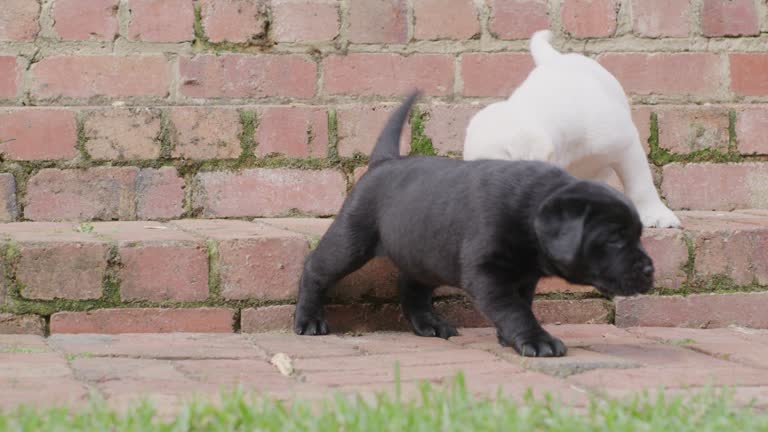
314,240
660,156
82,140
733,144
164,138
111,284
84,227
203,43
421,144
249,124
333,135
679,342
200,38
214,273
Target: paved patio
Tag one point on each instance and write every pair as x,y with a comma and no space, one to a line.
167,368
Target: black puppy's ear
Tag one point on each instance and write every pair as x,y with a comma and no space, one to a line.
559,226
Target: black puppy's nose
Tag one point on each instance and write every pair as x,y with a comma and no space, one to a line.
648,270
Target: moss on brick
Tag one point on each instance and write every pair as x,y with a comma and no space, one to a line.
333,135
203,43
82,140
660,156
421,144
164,138
214,273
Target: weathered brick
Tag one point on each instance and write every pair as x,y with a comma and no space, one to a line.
729,18
56,262
102,193
445,19
161,20
85,19
206,133
292,131
234,20
21,324
641,116
158,262
729,244
747,77
9,209
661,18
9,77
18,20
123,133
696,74
557,285
589,18
480,73
360,125
669,251
37,134
699,310
377,21
244,76
99,75
255,261
517,19
447,125
586,311
715,186
386,74
267,319
269,192
305,21
149,320
159,194
686,129
751,124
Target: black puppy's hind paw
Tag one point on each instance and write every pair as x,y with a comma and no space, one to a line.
310,326
538,345
429,325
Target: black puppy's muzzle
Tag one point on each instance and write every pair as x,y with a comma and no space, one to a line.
641,279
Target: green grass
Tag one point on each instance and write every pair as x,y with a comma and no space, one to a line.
452,409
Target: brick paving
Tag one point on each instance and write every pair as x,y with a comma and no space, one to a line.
603,360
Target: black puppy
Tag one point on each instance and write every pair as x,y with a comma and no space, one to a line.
492,228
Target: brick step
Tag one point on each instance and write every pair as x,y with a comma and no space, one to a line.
224,275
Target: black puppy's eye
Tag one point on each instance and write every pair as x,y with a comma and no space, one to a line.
615,243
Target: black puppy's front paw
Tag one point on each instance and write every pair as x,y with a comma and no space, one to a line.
538,344
310,326
429,325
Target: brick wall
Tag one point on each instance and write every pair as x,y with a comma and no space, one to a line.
170,109
161,109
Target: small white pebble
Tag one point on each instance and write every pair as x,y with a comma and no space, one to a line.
283,363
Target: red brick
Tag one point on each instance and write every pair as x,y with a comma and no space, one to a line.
716,186
358,173
445,19
669,251
85,19
245,76
751,124
360,125
589,18
696,74
18,20
61,268
687,129
255,261
386,74
113,321
267,319
206,133
102,193
305,21
105,76
177,346
557,285
37,134
123,133
377,21
699,310
641,116
161,20
747,77
8,207
9,77
447,125
661,18
480,73
517,19
158,264
729,18
292,131
21,324
233,20
586,311
159,194
269,192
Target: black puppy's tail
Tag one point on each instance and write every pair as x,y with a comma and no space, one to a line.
388,145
